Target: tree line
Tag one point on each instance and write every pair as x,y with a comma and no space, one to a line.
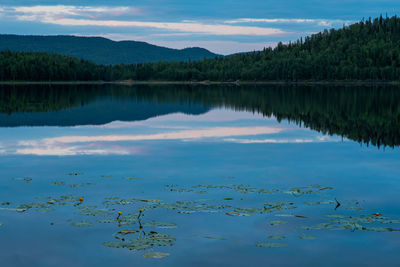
367,50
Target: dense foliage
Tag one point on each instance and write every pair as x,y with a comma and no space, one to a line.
368,50
48,67
366,114
100,50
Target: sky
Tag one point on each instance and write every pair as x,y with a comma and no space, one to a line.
222,26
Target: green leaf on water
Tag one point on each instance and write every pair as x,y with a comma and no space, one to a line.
87,207
25,179
271,245
155,255
160,224
75,185
307,237
114,244
92,212
144,241
216,238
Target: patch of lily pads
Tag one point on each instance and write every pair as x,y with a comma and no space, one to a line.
143,241
111,210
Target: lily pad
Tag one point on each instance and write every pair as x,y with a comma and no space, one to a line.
75,185
94,212
216,238
114,244
25,179
155,255
144,241
160,224
307,237
272,245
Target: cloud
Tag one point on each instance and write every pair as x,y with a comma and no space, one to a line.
67,151
270,141
186,134
106,144
316,139
319,22
103,17
214,29
60,11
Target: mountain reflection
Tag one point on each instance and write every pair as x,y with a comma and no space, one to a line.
366,114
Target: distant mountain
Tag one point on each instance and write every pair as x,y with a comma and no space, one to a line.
101,50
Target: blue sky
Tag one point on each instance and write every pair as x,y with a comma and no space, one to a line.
221,26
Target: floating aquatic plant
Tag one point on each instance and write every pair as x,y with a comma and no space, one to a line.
155,255
165,225
25,179
307,237
271,245
216,238
144,241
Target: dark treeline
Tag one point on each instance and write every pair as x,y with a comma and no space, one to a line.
368,50
367,114
29,66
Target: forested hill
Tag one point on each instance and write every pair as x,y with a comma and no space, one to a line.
368,50
100,50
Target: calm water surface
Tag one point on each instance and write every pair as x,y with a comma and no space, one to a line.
218,176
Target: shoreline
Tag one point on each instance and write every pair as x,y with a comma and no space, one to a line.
237,83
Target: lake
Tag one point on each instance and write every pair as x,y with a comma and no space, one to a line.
112,175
